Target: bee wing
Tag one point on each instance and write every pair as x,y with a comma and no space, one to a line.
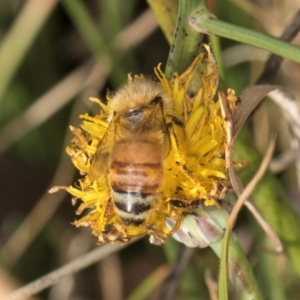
155,123
99,162
160,118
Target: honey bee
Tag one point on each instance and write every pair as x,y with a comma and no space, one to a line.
153,154
140,135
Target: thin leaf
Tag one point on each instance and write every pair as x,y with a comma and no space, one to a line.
70,268
203,21
27,25
271,200
166,14
268,196
233,215
151,283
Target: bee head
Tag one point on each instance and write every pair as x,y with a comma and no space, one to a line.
138,93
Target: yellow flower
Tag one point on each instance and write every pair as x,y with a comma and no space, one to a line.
194,171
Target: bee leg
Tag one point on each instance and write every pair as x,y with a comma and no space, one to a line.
175,227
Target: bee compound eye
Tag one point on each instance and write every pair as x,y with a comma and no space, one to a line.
134,114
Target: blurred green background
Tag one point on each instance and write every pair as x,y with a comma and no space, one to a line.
53,56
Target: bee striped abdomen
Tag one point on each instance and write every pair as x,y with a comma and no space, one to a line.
133,208
135,178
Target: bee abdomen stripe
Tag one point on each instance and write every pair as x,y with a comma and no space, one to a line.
132,203
119,164
129,195
131,216
134,188
134,222
136,208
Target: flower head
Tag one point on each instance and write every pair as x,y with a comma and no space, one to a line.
189,137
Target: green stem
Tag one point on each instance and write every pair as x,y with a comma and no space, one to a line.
240,272
210,233
186,41
203,21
